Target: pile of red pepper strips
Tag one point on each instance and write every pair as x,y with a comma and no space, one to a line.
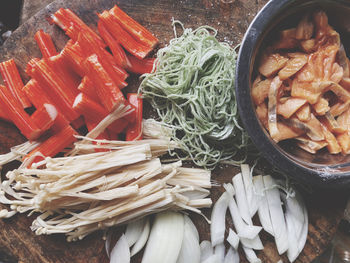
81,84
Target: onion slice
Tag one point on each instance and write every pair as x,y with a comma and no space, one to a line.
250,254
233,239
140,243
206,250
232,256
121,252
249,189
276,214
241,198
134,231
217,227
263,210
219,251
165,239
190,251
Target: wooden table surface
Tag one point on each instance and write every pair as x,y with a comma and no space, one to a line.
18,243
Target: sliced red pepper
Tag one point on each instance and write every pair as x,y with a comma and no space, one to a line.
15,111
54,144
87,87
30,65
89,47
78,123
45,43
94,112
108,92
140,33
13,81
59,93
45,116
134,130
124,38
117,51
140,66
65,18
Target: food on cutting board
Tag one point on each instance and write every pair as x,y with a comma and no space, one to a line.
77,175
302,90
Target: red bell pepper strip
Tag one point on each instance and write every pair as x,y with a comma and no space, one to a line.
45,43
117,51
108,92
124,38
78,123
140,66
134,130
140,33
13,81
15,111
60,123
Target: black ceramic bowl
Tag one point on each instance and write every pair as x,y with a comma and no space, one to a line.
321,169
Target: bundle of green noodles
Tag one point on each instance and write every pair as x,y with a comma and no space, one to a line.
192,90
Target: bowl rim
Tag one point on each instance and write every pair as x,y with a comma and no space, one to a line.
320,178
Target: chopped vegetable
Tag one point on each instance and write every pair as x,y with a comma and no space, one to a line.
120,253
217,227
141,242
164,242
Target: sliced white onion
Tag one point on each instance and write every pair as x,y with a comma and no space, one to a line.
280,261
232,256
250,254
230,189
189,226
233,239
254,243
241,198
217,227
295,205
243,230
249,189
140,243
121,252
263,209
219,251
206,250
212,259
303,236
164,242
276,214
293,251
134,231
190,251
108,243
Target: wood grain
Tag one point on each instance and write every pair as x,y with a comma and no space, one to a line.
231,19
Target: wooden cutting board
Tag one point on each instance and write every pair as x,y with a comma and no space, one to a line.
18,243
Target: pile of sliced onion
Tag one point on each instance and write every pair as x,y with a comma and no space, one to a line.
174,238
282,216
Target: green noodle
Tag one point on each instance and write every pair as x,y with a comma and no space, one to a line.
192,90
